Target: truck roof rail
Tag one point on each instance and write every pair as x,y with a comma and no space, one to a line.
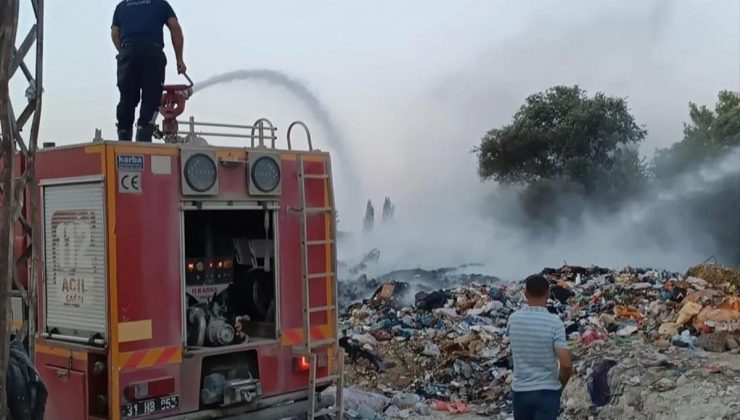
258,133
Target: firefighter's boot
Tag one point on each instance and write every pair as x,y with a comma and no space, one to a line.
144,133
125,134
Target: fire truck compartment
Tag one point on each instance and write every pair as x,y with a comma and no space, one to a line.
230,282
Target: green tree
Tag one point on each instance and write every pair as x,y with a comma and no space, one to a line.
564,135
709,134
707,137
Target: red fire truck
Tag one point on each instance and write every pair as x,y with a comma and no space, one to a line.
185,280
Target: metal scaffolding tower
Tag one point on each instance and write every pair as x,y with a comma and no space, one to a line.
19,190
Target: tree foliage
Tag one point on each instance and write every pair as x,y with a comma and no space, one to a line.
389,210
708,135
570,149
562,134
369,216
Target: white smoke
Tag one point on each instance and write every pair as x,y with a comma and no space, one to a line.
444,213
334,140
649,232
409,129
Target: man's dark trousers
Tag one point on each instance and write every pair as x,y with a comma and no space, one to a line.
140,78
536,405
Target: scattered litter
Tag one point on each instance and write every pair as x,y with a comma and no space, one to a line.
457,407
634,333
627,330
431,350
689,310
355,351
357,399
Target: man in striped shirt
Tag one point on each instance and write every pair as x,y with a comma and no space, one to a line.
538,346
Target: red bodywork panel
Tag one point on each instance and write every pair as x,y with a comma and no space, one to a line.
144,296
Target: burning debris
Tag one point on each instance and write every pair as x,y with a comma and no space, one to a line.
637,335
354,286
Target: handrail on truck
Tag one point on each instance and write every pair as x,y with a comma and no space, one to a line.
261,131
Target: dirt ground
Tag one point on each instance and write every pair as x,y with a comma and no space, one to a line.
710,391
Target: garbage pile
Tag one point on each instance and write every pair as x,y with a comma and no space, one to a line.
636,334
355,287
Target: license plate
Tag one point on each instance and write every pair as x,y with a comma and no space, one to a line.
149,407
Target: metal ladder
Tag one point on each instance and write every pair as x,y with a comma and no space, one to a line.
336,376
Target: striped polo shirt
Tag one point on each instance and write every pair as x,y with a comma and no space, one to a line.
535,333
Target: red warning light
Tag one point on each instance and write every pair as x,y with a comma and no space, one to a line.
302,364
191,266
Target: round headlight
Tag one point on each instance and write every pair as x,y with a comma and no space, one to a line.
200,172
265,174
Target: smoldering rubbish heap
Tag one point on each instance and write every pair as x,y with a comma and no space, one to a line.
646,343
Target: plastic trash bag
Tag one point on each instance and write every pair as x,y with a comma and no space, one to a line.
26,391
598,383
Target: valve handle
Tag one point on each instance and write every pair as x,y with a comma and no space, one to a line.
189,80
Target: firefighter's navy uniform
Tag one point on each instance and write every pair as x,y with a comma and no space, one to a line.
141,64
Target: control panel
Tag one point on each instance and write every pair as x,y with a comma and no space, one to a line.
205,278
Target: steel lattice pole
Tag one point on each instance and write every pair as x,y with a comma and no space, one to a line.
8,28
18,187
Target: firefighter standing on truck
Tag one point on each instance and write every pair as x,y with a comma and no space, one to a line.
137,33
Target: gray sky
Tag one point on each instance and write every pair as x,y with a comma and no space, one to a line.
412,85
